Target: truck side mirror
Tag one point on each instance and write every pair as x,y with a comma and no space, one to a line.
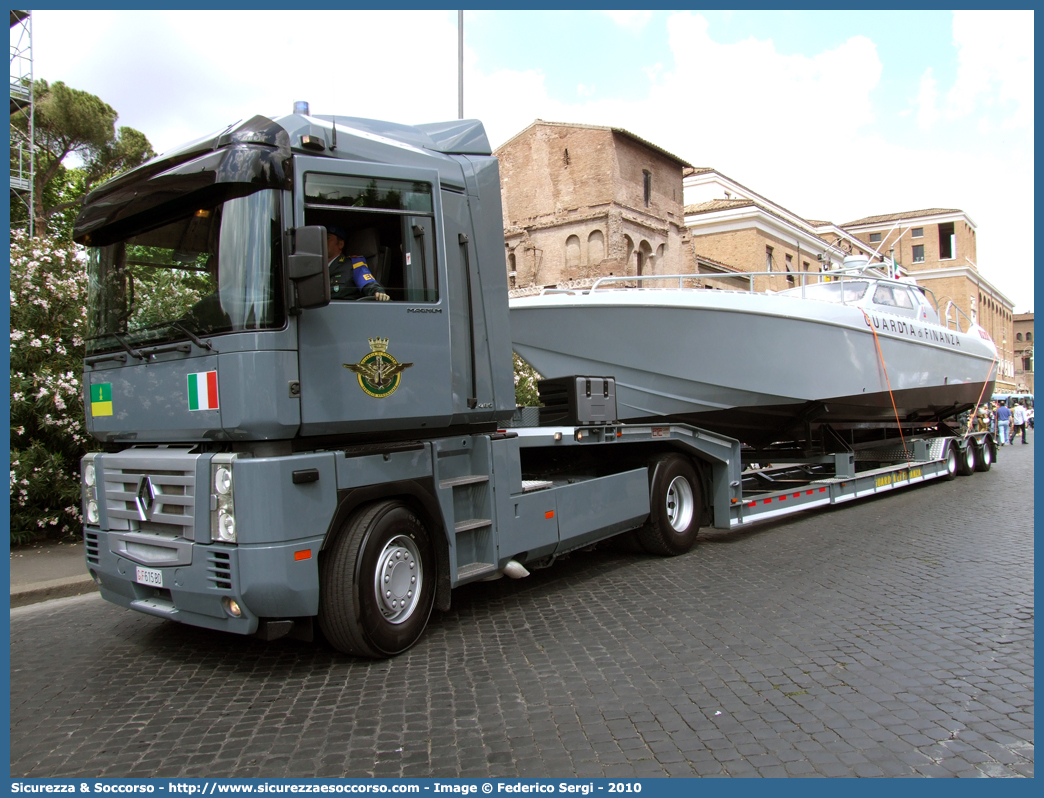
309,267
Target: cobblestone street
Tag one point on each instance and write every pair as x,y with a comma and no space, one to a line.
888,637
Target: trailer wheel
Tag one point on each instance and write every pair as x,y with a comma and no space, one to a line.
966,460
951,461
986,456
675,502
377,582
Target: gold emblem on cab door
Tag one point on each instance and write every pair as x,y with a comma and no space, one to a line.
379,373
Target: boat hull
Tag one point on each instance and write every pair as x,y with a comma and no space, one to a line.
753,366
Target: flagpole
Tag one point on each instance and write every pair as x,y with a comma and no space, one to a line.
460,65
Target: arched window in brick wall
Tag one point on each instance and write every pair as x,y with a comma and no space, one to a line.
595,248
572,255
644,263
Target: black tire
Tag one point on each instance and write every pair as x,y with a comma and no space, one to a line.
951,461
354,616
966,459
987,454
675,505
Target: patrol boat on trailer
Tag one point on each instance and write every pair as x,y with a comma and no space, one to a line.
764,367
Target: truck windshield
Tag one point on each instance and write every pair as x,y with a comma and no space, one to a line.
212,271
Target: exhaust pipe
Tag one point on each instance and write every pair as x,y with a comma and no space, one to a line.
515,570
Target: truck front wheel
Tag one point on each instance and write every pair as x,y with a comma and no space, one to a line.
675,503
377,582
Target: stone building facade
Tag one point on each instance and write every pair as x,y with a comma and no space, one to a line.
937,247
732,224
1024,352
582,202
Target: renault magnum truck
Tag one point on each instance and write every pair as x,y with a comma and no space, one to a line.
272,455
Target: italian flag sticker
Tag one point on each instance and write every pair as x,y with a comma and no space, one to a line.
202,391
101,399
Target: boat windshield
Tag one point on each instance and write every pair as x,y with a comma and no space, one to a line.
839,291
212,271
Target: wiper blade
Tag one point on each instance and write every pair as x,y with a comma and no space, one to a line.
177,325
130,349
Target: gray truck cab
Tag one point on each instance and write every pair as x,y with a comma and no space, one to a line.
207,265
245,411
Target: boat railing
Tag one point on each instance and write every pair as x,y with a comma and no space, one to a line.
954,322
696,281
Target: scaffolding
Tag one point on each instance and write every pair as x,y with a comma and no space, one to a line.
23,109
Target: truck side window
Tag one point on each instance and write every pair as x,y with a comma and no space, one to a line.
389,222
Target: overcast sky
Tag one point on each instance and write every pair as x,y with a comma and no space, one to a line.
833,115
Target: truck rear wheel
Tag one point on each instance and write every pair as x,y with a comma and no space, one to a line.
675,503
951,461
377,582
986,454
966,459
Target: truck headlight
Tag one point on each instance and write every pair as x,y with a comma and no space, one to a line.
89,491
222,500
226,527
223,480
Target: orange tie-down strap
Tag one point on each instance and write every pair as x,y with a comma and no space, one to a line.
880,356
971,417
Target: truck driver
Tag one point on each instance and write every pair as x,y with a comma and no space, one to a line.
349,276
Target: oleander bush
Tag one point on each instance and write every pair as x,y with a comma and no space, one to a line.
525,383
48,433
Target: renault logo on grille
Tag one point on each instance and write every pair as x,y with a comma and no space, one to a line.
145,498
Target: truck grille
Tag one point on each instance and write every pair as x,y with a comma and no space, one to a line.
150,490
219,570
91,546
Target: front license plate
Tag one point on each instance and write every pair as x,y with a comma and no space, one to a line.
148,576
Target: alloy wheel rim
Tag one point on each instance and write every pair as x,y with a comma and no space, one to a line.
679,504
398,579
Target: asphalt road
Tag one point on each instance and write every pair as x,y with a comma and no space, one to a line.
889,637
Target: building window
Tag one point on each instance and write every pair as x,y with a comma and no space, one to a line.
768,259
804,266
572,255
1027,364
647,180
789,263
1029,336
875,238
947,250
595,248
918,253
917,232
1018,336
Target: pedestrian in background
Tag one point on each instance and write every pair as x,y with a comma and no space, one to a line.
1003,420
1018,417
